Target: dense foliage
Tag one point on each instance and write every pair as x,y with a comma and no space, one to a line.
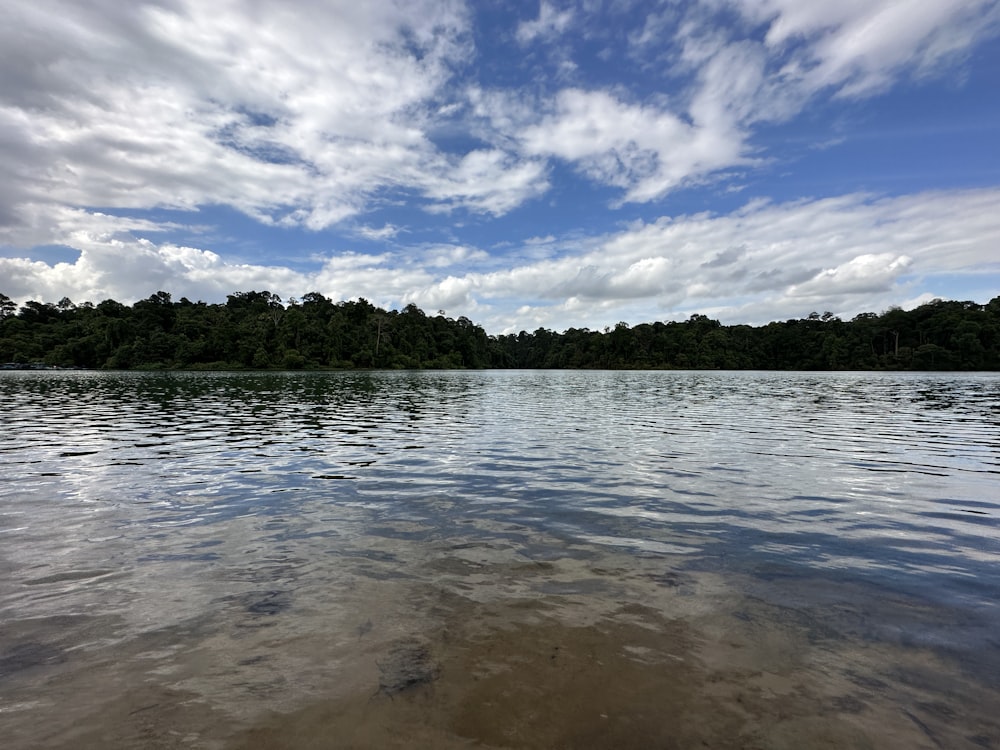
256,330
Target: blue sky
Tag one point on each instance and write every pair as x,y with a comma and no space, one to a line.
524,164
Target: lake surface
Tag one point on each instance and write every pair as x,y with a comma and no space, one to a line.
499,559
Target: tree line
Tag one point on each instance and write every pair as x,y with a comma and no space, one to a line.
257,330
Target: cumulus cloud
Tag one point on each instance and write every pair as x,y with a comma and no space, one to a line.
642,149
450,293
490,181
861,274
765,261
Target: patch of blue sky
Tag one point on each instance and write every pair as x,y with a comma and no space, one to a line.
979,287
231,234
50,254
894,149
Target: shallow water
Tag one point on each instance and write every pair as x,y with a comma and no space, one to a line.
500,559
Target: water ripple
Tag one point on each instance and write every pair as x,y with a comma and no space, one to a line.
882,475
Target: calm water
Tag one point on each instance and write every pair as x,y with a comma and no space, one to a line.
501,559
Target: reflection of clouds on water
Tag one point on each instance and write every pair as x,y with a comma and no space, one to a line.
639,545
254,541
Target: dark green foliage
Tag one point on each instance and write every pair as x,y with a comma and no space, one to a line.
255,330
937,336
252,330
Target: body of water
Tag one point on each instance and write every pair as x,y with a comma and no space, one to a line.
524,559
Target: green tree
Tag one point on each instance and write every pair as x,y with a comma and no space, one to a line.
8,308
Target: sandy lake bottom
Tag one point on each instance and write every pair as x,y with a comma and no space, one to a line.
586,651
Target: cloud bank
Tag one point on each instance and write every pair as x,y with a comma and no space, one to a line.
762,262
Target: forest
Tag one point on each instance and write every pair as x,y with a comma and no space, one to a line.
257,330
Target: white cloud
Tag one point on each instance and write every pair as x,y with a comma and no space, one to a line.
859,47
44,224
848,49
385,232
446,256
645,150
766,261
550,23
450,293
349,261
861,274
300,114
292,114
488,181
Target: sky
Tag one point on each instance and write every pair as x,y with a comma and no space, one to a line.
525,165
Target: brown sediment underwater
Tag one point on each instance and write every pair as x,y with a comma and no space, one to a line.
723,672
515,677
606,652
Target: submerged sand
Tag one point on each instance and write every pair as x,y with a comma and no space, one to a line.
615,651
636,679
